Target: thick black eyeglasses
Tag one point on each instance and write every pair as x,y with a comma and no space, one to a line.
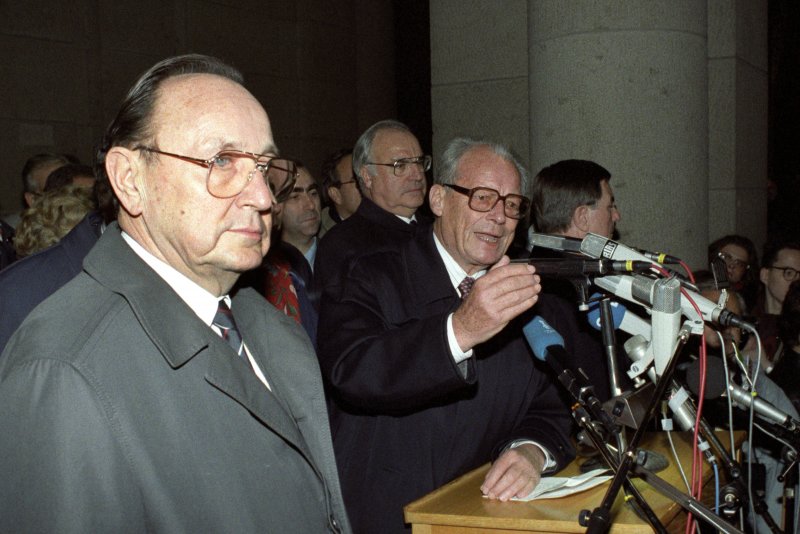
484,199
403,166
789,274
229,171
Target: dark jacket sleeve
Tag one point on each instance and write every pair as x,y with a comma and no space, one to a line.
545,417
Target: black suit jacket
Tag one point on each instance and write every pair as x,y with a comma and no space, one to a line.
369,229
405,420
26,283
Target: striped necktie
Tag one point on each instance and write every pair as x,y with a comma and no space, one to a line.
227,326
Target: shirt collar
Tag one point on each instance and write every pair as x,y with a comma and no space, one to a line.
454,270
202,303
311,253
407,220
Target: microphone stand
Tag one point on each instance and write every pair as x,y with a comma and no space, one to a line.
610,345
789,479
587,407
639,504
599,520
736,489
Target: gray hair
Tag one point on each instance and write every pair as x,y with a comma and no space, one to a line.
458,147
36,162
362,151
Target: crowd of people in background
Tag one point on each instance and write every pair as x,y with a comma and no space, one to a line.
399,280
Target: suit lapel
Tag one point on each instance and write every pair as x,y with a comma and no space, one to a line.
180,335
232,376
285,354
428,276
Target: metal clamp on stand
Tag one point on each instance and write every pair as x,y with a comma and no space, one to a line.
599,520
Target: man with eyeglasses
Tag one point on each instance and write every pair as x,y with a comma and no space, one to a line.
145,395
572,198
339,188
781,267
390,167
427,369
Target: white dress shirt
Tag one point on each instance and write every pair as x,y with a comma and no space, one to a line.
457,275
202,303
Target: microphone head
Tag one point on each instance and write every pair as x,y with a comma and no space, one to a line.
554,242
540,336
715,377
618,312
595,246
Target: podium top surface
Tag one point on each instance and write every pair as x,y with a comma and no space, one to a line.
460,503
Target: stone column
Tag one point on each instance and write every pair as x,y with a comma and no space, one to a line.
737,136
625,84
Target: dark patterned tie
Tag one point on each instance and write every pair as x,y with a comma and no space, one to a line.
227,326
466,286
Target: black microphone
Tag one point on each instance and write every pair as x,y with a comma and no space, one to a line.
716,386
571,268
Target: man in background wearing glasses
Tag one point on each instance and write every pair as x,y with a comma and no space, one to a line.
429,374
780,268
143,396
390,168
572,198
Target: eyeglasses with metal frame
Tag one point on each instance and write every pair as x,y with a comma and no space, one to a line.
789,274
340,184
484,199
733,263
229,171
403,166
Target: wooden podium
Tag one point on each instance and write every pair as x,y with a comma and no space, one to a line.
459,507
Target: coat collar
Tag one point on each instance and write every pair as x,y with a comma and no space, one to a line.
180,335
429,279
379,216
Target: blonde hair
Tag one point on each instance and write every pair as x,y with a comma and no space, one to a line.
51,217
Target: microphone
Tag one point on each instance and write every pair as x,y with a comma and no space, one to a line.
571,268
666,321
597,246
716,386
640,289
685,413
658,257
548,347
623,319
555,242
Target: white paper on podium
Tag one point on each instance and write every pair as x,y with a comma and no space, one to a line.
555,487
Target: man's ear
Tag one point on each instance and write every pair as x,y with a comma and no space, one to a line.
335,195
763,275
366,179
123,168
580,218
436,199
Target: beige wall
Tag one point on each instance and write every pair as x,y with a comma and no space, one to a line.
669,95
65,65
